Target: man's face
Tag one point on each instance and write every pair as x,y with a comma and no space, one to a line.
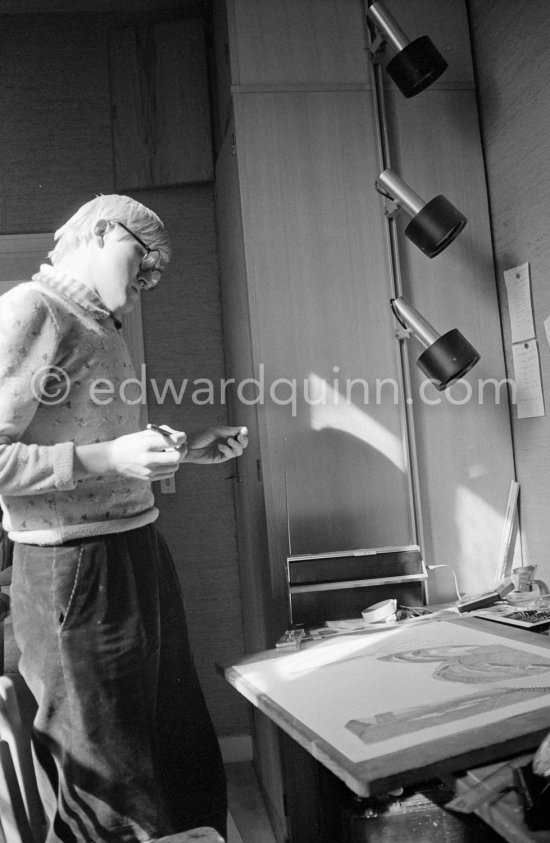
118,277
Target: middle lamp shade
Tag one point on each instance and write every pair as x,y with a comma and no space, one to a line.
434,224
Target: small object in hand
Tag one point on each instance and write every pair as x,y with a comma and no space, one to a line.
165,431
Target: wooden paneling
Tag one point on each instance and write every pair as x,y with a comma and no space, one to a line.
320,321
296,43
56,136
255,577
161,113
221,72
465,450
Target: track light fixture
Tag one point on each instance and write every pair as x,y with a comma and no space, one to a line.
446,358
417,63
434,224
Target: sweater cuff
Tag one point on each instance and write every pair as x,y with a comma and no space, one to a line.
63,462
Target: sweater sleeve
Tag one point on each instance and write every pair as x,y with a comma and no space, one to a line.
29,341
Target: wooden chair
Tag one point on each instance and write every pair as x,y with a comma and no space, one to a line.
21,816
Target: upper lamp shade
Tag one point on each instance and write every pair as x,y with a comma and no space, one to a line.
447,357
434,224
417,63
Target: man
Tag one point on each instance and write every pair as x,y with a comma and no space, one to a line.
125,747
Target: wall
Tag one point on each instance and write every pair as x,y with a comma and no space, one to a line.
512,60
56,151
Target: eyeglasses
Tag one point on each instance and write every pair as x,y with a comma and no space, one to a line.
149,261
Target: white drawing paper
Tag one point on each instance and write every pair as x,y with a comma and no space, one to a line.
370,695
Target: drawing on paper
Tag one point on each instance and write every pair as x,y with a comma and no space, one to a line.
475,663
495,665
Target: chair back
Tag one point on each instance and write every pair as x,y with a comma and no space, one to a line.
21,815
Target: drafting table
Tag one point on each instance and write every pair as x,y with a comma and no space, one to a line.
471,691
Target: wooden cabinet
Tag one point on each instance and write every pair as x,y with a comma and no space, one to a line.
310,339
160,106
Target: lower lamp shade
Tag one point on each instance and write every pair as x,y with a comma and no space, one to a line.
435,226
448,359
416,66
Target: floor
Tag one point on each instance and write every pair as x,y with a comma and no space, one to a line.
249,822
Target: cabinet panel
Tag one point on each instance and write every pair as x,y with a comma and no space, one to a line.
161,116
221,73
263,617
255,580
297,42
321,323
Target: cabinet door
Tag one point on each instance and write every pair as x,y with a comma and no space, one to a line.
248,483
161,117
323,345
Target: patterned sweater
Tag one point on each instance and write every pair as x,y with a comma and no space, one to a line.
62,364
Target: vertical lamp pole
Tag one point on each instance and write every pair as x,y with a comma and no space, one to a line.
396,292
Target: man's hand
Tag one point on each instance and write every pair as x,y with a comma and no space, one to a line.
147,455
216,444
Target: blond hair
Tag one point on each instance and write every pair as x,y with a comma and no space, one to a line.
114,208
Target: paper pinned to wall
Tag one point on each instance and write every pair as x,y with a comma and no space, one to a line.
519,302
528,387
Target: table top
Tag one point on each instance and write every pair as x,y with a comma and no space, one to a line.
403,705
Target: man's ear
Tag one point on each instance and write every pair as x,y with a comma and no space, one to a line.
100,228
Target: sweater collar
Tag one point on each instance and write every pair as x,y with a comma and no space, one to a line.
74,290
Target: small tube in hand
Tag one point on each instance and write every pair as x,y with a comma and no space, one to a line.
166,432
